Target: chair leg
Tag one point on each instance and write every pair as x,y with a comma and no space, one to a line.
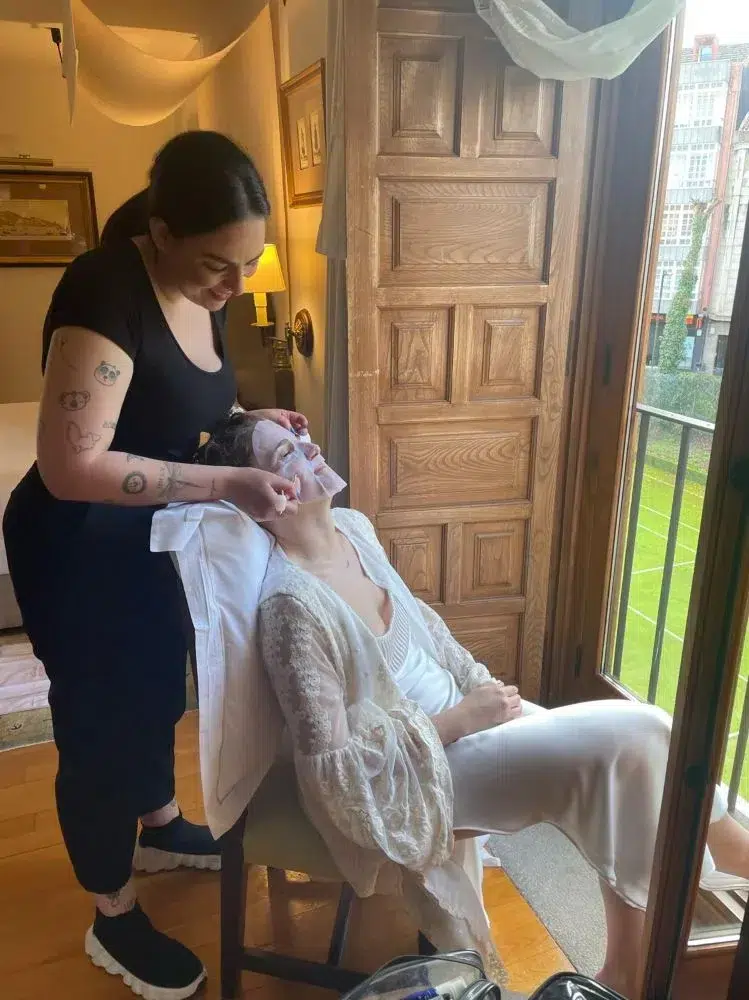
341,925
234,877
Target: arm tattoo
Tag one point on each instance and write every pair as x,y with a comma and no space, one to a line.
110,425
75,400
214,489
133,458
106,373
134,483
63,353
171,482
79,441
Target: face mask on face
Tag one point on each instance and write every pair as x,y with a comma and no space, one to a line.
296,458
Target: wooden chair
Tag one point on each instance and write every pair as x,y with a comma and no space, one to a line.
275,834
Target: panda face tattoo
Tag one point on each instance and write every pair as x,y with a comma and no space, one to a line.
106,373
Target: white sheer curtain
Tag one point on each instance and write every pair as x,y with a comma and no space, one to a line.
331,241
125,83
541,41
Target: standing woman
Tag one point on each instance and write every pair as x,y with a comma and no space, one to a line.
135,368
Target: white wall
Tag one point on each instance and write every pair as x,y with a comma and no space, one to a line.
34,120
304,25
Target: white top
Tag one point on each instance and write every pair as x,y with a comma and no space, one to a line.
373,774
418,675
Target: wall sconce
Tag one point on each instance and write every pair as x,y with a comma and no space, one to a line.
301,334
267,279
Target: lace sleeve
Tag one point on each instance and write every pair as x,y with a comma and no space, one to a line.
467,672
379,778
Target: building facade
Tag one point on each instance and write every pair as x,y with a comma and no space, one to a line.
712,99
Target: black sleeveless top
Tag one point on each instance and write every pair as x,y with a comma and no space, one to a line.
170,401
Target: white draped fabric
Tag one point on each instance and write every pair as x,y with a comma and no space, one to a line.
541,41
331,241
127,84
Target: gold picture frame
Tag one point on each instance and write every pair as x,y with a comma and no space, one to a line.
302,100
47,217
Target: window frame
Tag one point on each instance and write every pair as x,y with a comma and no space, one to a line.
617,278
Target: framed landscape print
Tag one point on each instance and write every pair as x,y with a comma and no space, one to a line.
303,132
47,218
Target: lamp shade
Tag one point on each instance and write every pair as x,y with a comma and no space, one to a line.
268,277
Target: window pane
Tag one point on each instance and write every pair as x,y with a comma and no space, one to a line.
682,357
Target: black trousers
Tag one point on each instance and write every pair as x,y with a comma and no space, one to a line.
107,619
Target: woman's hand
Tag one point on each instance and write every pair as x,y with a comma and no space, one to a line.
490,705
262,495
289,419
483,708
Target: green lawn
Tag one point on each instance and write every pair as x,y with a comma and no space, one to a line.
650,548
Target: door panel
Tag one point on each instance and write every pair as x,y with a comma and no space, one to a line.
465,187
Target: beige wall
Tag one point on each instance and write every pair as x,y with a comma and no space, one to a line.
240,100
34,120
303,42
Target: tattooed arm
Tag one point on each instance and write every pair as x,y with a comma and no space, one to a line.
85,382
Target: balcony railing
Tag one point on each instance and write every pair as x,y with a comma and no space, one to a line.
688,427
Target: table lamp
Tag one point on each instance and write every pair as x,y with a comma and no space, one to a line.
268,278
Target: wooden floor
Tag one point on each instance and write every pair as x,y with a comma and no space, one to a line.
44,915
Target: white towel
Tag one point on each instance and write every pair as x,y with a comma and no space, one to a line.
222,555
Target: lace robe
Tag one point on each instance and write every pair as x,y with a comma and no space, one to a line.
373,775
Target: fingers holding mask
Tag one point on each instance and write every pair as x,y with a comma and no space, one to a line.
264,495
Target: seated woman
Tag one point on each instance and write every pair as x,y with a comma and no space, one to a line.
402,742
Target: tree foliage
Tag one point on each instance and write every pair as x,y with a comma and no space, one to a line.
673,338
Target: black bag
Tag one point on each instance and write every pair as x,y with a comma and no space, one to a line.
459,975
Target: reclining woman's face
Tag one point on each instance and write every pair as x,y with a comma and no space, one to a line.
278,450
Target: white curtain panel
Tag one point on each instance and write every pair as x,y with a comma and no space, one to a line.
127,84
541,41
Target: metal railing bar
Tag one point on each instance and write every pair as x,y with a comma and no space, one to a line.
629,552
669,558
740,756
676,418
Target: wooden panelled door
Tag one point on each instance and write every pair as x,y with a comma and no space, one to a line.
465,179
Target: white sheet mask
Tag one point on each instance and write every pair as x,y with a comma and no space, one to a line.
315,479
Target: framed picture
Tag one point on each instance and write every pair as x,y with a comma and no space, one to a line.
47,218
302,143
317,139
303,132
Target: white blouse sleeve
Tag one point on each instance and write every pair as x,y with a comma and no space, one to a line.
379,778
467,672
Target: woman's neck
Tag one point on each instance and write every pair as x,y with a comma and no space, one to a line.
157,272
309,536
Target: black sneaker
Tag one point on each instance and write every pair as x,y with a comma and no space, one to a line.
179,844
154,966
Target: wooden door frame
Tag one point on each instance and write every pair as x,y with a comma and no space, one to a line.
622,206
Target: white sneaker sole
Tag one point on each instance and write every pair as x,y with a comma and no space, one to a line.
103,960
152,860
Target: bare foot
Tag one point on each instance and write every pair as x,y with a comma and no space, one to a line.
622,981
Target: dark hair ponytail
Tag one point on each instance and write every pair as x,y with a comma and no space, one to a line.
130,219
199,182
